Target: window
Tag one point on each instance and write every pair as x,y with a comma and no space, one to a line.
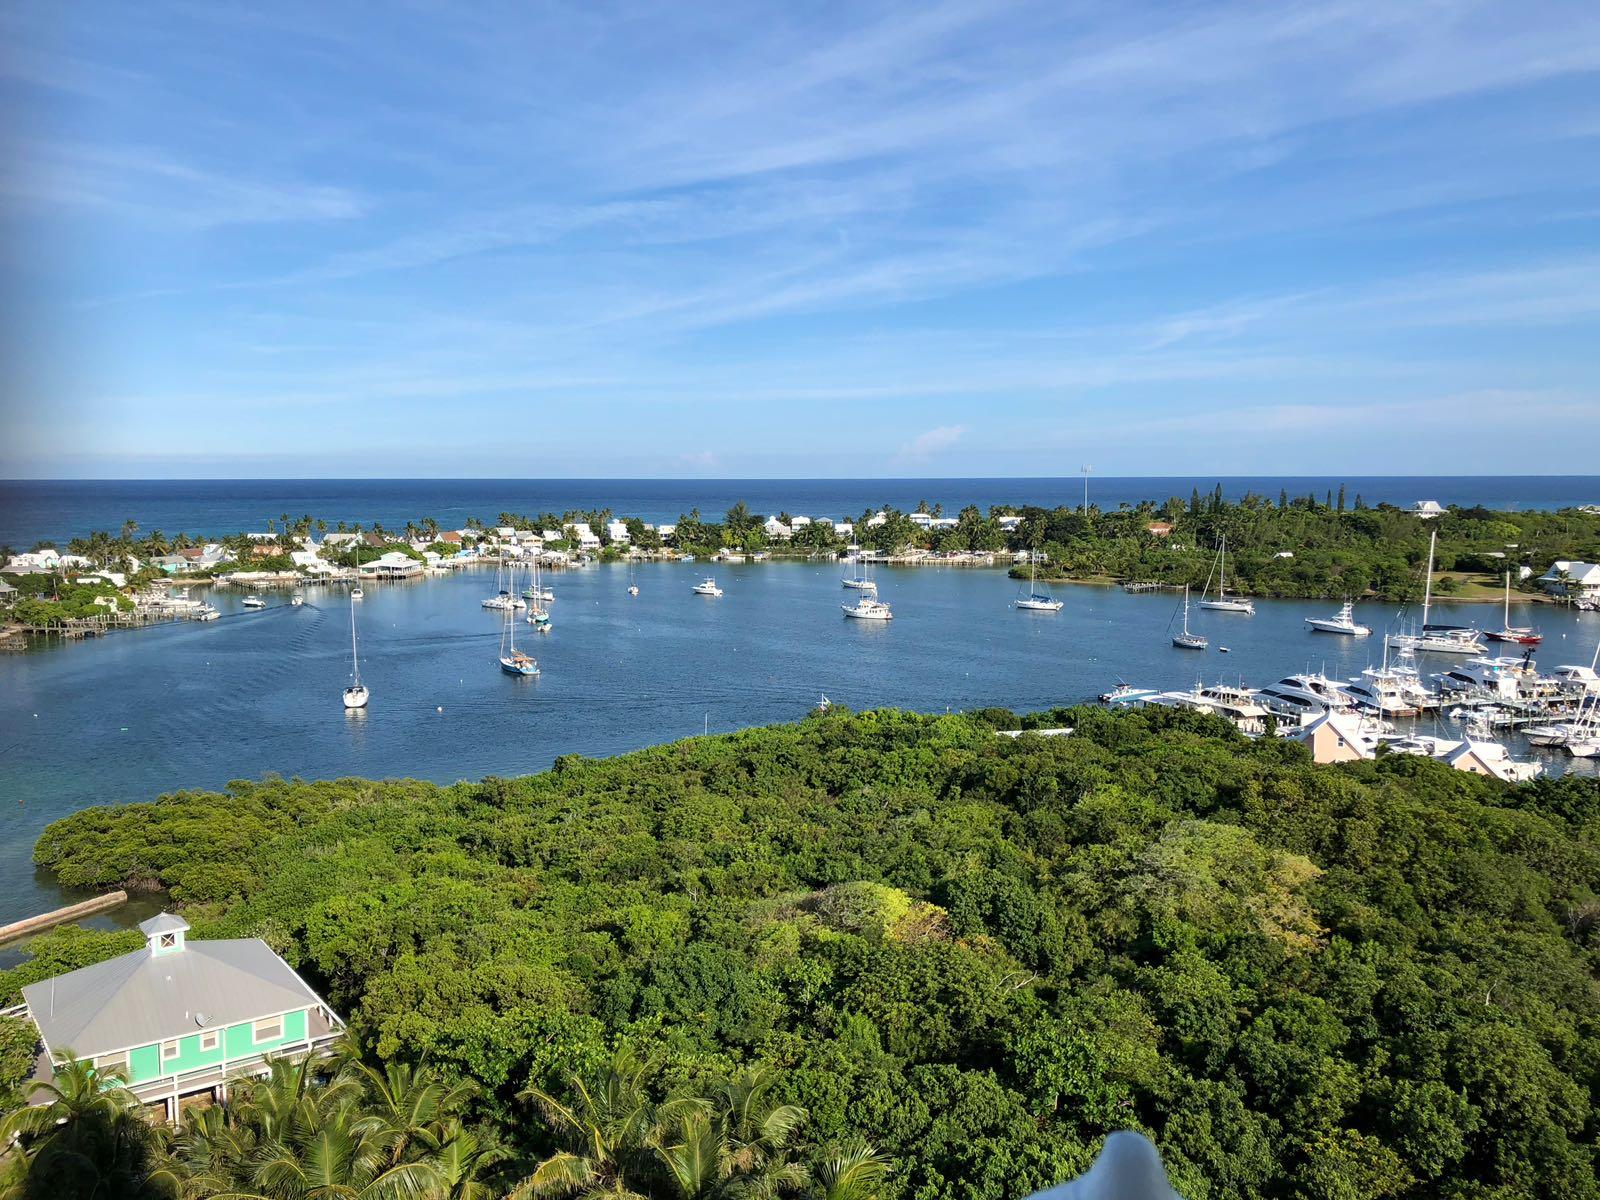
169,1050
112,1062
269,1030
169,941
209,1041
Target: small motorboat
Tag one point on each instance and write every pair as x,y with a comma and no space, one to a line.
297,599
356,593
707,588
633,589
254,602
207,613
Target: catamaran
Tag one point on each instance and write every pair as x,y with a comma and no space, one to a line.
1224,602
1345,622
1186,640
1436,639
1035,600
1521,635
707,588
512,660
356,695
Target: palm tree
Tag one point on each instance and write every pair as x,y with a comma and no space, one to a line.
89,1137
460,1158
342,1156
607,1125
411,1106
855,1173
734,1143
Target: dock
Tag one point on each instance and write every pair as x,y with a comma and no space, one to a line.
60,916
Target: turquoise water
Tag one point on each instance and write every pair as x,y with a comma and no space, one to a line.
194,705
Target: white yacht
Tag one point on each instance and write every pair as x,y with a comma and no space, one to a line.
253,602
355,695
1126,693
1306,695
1436,639
707,588
868,608
1035,600
1235,704
1344,622
1492,678
1223,601
1390,691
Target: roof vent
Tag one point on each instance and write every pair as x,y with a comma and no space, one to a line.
164,933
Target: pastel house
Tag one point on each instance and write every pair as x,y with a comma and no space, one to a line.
179,1018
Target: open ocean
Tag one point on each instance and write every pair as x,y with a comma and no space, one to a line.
58,510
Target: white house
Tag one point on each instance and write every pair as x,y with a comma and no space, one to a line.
844,528
34,562
390,565
666,531
922,520
1427,509
617,531
878,518
775,528
340,539
797,522
1009,521
1581,580
586,538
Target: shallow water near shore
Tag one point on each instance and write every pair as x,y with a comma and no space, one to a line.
134,714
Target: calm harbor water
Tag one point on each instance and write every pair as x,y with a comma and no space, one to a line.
129,716
60,509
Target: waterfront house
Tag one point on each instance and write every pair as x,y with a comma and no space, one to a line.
1578,580
777,529
1428,509
845,529
341,538
797,522
921,519
450,537
1334,737
585,537
617,531
34,562
1008,521
666,530
180,1018
393,564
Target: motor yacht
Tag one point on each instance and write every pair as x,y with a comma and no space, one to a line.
1343,622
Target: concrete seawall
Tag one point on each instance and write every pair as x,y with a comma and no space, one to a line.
60,916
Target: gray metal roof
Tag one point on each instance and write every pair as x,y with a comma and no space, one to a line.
142,998
162,923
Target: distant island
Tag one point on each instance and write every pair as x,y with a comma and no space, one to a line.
1305,546
967,957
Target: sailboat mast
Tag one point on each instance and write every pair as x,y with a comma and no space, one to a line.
355,661
1222,571
1427,580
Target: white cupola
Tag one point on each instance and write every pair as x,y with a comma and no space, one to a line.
164,933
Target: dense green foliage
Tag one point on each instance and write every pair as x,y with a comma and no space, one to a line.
50,599
1336,551
979,953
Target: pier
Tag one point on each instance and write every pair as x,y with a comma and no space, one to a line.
60,916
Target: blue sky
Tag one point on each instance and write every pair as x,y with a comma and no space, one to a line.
968,238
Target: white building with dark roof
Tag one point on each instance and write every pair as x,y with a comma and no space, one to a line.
178,1018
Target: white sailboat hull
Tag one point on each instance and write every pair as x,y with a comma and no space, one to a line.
865,585
356,697
1037,604
1233,606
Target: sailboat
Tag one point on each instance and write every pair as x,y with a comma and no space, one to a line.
633,581
1522,635
538,615
512,660
1344,622
1035,600
356,695
1437,639
505,598
1187,640
862,579
1223,602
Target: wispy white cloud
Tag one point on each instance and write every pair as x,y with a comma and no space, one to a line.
933,441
